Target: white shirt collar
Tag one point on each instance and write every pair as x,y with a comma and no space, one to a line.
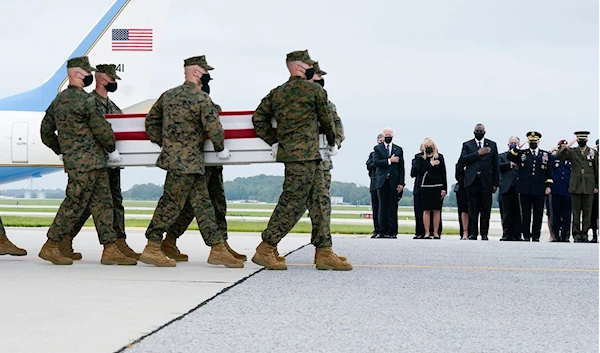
482,142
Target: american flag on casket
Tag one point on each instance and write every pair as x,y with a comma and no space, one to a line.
240,138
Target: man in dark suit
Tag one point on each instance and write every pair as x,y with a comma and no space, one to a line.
374,199
509,199
480,155
389,182
534,182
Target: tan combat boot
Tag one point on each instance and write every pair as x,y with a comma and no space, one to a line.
265,256
234,253
342,258
51,252
219,255
328,260
126,250
279,258
66,248
112,256
8,248
152,255
169,248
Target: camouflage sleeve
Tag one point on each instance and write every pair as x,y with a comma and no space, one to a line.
261,119
153,122
324,115
211,123
339,127
47,130
101,128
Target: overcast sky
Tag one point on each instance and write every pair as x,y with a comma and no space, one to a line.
431,68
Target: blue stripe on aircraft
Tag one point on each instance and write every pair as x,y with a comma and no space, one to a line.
10,174
38,99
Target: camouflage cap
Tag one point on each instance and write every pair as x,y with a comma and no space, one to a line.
197,60
318,70
582,135
81,62
109,69
300,55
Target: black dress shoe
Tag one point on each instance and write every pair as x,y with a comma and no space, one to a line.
394,236
484,237
504,239
537,240
374,236
419,236
472,237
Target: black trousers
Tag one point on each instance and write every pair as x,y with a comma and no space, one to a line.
561,215
375,207
419,226
511,214
388,209
480,204
531,203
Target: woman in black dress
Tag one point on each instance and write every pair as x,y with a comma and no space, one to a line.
434,186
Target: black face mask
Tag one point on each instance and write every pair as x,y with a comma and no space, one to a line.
388,139
479,135
87,80
428,150
533,145
309,73
582,143
204,79
111,86
205,88
321,82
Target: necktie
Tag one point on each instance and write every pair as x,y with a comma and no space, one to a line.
388,150
479,143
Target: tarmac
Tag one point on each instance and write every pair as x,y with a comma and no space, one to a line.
403,295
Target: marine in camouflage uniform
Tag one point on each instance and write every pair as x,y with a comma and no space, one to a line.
6,246
216,192
298,107
105,106
177,122
83,139
583,184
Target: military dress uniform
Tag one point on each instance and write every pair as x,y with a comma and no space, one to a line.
299,107
534,176
84,136
561,199
105,106
583,183
177,122
595,205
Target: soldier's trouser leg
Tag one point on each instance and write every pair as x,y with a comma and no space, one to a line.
526,201
182,222
558,206
76,228
85,189
586,208
216,192
297,185
319,201
204,212
177,190
2,230
577,200
114,178
567,212
538,216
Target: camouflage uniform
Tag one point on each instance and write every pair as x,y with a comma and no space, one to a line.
106,106
298,107
2,230
177,122
216,192
84,137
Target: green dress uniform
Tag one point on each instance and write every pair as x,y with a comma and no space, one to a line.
584,179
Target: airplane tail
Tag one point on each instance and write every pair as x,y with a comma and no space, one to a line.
128,35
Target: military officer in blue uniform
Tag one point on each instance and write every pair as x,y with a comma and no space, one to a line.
561,198
534,182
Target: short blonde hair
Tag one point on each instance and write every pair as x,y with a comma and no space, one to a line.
428,142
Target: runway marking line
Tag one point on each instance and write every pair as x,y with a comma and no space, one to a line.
470,268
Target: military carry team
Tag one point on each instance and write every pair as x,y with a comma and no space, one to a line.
75,128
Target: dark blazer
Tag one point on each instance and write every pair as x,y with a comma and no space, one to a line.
507,174
486,165
394,171
371,168
535,172
435,175
413,174
459,175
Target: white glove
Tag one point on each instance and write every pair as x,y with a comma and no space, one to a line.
274,150
224,154
114,156
331,150
60,157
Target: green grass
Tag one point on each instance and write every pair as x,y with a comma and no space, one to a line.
234,226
